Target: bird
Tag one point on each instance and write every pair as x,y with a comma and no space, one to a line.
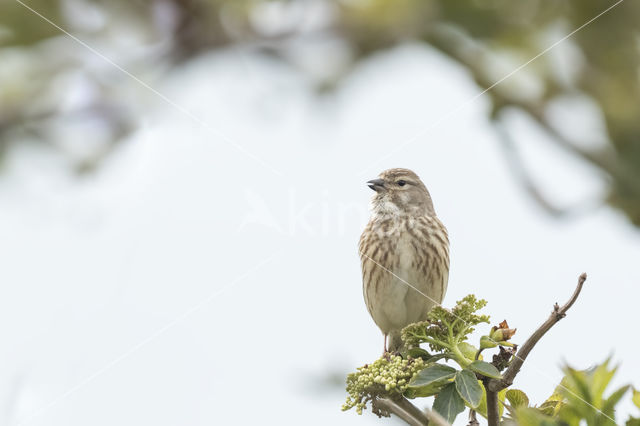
404,253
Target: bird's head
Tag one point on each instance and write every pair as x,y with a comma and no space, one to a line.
400,192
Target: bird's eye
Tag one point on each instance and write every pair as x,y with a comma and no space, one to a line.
402,182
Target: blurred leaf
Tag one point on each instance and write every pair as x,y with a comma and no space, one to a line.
633,421
550,407
580,397
610,403
532,417
636,397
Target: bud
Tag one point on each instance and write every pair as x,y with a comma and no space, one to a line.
502,332
487,342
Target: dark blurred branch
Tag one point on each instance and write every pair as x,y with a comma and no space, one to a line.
474,57
519,170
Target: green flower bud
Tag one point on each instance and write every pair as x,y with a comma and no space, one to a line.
487,342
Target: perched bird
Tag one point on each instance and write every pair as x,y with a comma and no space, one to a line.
404,250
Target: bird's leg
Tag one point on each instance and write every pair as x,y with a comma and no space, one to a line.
384,349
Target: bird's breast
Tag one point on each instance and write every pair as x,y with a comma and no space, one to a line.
405,254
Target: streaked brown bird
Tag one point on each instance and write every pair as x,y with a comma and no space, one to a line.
404,251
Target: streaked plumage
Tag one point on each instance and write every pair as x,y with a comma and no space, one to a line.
404,245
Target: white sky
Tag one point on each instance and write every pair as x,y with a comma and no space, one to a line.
187,284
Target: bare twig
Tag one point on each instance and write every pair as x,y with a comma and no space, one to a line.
392,406
493,413
413,410
436,419
493,386
556,315
473,421
411,414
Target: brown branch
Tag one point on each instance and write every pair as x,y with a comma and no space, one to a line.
411,414
556,315
392,406
493,386
436,419
413,410
473,420
493,412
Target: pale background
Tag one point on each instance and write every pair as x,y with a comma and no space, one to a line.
185,282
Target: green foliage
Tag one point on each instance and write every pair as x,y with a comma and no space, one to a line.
532,417
430,381
636,398
445,328
485,369
446,332
449,403
517,398
578,399
468,387
634,421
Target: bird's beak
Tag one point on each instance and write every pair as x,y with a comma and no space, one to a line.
376,184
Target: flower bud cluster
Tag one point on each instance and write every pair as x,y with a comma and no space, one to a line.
442,323
387,376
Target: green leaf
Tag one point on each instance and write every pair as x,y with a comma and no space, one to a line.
468,387
517,398
430,380
557,394
448,403
600,378
550,407
577,386
636,397
532,417
487,342
419,353
613,399
431,374
485,369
